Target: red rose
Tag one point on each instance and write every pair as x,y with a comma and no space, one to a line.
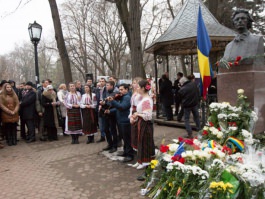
236,63
227,150
240,160
230,64
238,58
205,132
211,124
182,160
213,153
189,141
219,129
181,139
164,148
178,158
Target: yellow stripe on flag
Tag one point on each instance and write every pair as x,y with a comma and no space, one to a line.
204,65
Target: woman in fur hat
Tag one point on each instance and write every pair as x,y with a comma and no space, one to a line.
9,104
50,116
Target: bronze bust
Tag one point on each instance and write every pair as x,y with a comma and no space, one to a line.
246,45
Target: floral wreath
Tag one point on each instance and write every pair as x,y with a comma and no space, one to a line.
147,87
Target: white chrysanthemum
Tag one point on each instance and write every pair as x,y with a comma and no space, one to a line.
169,166
246,134
222,116
213,105
232,128
173,147
206,128
220,134
189,153
184,155
204,174
197,142
240,91
218,163
167,157
249,141
196,152
232,116
254,116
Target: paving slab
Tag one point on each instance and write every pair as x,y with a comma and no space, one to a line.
59,169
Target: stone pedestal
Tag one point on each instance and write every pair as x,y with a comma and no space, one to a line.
249,78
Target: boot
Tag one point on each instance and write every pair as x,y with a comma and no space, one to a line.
90,139
76,139
14,138
9,138
73,139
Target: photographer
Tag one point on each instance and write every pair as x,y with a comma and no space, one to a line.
110,118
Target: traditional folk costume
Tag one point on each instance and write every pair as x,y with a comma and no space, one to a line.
146,146
135,99
73,120
89,116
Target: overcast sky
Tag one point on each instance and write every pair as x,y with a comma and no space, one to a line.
14,22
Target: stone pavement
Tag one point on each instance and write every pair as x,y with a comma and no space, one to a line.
58,169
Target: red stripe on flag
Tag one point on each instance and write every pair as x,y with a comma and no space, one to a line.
206,84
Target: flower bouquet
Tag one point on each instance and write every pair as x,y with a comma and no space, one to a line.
225,163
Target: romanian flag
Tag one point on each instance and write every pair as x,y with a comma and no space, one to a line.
204,46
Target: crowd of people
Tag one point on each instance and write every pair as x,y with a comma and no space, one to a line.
122,113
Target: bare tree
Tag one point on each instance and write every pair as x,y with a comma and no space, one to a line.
60,41
95,37
130,16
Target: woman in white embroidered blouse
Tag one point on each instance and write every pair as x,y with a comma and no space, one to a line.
135,99
143,116
73,121
88,105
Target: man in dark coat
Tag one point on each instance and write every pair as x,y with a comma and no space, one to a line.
101,95
28,110
177,98
123,110
110,119
166,95
190,98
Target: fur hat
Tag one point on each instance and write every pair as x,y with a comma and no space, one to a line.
30,84
3,82
49,87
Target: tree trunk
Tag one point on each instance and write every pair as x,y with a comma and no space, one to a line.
60,41
135,36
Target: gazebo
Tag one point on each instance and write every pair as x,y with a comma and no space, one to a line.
181,36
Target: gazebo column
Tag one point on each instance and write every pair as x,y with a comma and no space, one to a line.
157,95
191,64
167,64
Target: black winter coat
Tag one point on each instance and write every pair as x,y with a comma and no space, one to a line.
189,94
48,116
166,94
28,105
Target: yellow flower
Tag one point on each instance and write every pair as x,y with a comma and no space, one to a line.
154,163
170,184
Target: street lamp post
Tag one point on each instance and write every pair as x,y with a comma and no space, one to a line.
35,30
